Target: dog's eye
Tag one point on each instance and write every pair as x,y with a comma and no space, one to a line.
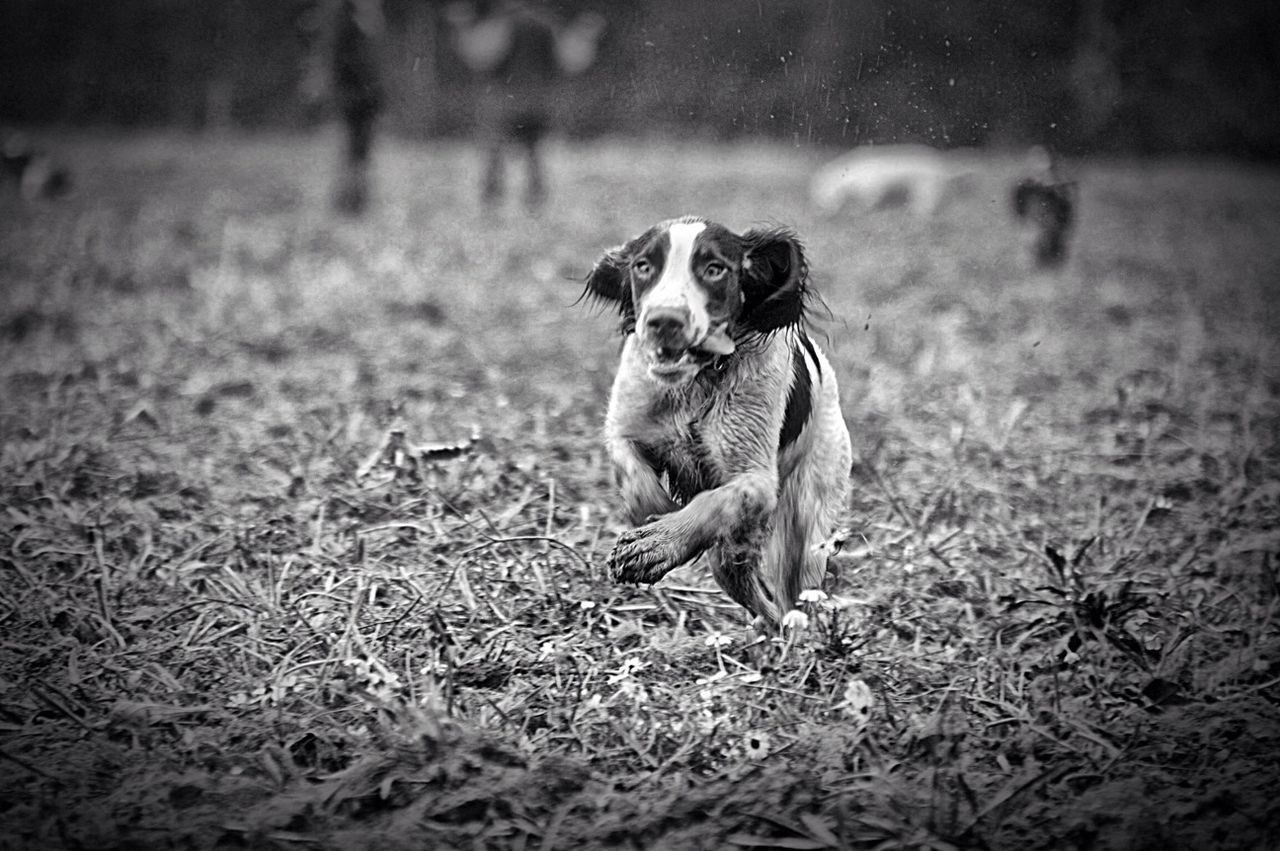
714,270
642,267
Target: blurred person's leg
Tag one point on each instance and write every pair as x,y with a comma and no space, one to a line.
490,135
528,129
357,86
353,190
491,183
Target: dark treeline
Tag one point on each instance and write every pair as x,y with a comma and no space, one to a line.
1083,75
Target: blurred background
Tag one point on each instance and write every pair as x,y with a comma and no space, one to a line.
1084,76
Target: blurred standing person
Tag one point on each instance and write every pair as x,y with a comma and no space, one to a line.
1044,201
518,54
347,66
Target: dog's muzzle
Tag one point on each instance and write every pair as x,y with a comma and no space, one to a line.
668,336
667,331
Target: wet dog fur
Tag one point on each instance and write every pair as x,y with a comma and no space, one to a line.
724,424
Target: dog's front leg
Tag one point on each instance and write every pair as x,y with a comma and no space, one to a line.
643,494
729,512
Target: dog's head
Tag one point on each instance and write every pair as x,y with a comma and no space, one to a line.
693,290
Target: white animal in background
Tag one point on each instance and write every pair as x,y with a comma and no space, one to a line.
878,176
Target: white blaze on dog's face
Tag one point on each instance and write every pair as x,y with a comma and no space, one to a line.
685,289
692,290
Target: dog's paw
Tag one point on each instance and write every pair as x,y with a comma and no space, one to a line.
641,556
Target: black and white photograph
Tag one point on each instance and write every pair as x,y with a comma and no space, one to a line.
574,424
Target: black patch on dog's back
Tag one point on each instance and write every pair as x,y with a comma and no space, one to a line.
799,397
813,353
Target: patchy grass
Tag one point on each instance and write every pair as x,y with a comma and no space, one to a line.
304,519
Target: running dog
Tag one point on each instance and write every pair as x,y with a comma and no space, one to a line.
724,424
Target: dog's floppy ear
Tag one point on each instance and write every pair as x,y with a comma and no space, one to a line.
775,280
608,278
609,282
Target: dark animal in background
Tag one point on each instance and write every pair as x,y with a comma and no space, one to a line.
1045,202
724,424
355,76
519,55
29,170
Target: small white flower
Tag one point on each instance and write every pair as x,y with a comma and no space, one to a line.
718,639
586,605
857,701
813,595
627,669
634,690
795,620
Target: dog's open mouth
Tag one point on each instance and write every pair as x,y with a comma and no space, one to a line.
672,364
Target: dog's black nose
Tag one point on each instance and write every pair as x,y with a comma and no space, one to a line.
666,325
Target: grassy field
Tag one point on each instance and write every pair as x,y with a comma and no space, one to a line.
252,599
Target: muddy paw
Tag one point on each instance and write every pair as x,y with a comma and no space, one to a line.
641,556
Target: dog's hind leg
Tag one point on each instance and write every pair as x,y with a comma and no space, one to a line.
793,563
811,506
